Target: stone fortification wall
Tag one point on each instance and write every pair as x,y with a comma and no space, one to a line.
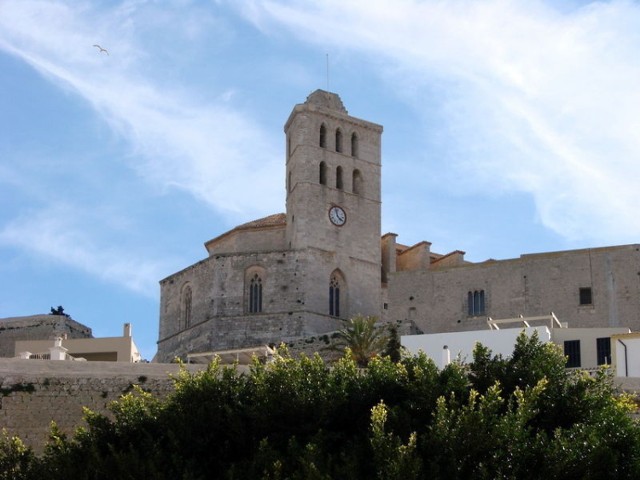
33,393
295,289
531,285
38,327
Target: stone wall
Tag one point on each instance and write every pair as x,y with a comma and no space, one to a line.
33,393
531,285
295,300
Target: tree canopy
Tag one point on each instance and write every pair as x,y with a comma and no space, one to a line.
521,417
361,339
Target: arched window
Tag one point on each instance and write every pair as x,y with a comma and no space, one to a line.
338,140
255,294
334,296
475,303
354,145
323,173
186,306
339,183
356,186
323,136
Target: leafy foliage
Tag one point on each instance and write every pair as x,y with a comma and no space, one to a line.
393,348
361,339
523,417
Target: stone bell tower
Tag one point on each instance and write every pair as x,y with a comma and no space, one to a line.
333,201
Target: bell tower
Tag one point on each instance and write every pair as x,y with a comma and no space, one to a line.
333,195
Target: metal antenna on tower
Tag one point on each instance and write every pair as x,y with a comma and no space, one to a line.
327,72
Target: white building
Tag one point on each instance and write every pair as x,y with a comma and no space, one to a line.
585,348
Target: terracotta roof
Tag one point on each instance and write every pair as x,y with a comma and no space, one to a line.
270,221
276,220
442,257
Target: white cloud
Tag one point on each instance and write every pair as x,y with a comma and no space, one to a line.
178,140
540,100
60,233
197,142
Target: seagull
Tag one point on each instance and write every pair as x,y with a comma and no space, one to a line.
102,49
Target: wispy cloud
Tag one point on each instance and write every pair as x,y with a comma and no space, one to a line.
179,138
534,99
201,145
58,233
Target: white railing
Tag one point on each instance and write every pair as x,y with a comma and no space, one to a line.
47,356
526,321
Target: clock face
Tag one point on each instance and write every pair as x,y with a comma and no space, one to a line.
337,216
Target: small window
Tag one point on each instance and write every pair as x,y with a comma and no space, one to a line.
339,183
186,306
475,303
356,186
338,140
572,352
323,173
585,296
603,348
354,145
334,297
289,186
323,136
255,294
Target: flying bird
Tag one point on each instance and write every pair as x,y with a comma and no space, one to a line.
102,49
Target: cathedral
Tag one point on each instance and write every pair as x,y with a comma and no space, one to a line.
301,273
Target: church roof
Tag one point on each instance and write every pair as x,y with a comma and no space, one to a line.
274,220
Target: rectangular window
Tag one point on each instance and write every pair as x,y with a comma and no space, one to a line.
572,352
585,296
603,346
475,303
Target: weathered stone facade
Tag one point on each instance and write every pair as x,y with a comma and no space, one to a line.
437,298
291,275
329,237
33,393
38,327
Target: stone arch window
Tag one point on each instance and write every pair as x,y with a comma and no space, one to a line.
323,136
338,140
323,173
475,303
356,184
339,183
254,285
185,306
337,290
354,144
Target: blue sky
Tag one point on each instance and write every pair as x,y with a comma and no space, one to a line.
510,127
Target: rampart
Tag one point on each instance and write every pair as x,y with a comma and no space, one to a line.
33,393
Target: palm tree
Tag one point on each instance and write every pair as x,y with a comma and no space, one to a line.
361,336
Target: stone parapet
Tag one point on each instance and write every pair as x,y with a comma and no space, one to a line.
33,393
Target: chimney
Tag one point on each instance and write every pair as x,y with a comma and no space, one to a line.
446,356
127,330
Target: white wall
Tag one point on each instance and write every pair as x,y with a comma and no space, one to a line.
461,344
627,360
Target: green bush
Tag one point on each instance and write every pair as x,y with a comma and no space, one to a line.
521,417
